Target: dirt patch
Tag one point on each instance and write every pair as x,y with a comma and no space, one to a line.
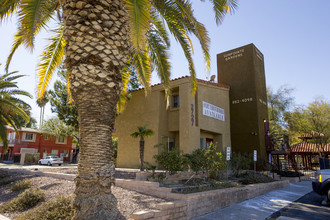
128,201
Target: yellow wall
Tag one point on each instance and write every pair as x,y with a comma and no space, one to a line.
151,110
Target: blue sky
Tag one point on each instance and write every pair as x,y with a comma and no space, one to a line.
293,35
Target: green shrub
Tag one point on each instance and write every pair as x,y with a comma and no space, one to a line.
31,158
196,160
24,201
6,180
59,208
153,170
172,161
290,173
212,185
251,178
215,162
23,184
240,162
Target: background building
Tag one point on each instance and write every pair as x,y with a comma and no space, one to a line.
232,112
190,122
243,70
32,141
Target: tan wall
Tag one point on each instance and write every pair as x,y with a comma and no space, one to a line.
185,123
140,111
220,98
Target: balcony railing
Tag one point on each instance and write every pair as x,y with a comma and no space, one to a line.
17,142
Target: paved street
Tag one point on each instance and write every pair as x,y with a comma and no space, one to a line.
307,207
18,166
264,206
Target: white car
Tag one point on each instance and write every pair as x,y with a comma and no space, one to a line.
50,160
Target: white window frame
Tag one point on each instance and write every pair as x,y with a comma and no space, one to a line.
59,141
53,152
28,140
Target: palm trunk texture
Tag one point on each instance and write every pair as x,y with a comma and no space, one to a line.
97,48
141,153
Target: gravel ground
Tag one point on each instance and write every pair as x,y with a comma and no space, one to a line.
128,201
58,170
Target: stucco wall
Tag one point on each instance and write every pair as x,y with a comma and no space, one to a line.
184,123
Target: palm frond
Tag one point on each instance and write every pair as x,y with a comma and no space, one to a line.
139,19
51,59
19,92
223,7
3,135
18,40
33,16
158,50
68,83
8,7
141,62
13,109
125,76
176,23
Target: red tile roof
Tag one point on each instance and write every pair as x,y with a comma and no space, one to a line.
310,135
307,147
198,80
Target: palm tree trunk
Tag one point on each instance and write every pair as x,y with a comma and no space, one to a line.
141,153
96,51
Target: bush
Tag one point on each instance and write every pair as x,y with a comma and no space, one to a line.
23,184
31,158
196,160
290,173
24,201
171,161
215,162
251,178
6,180
60,208
213,185
240,162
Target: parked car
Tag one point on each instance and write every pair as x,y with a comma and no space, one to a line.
321,183
50,160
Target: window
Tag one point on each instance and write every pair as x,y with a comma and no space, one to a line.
61,140
54,152
29,137
168,142
203,143
46,137
65,153
175,101
45,151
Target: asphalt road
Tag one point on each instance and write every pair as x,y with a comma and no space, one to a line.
307,207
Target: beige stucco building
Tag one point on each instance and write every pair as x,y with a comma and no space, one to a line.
190,122
235,117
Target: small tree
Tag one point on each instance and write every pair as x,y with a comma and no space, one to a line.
142,133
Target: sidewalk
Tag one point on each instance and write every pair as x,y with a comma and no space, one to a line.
3,217
262,206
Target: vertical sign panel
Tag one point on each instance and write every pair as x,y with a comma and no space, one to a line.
228,153
254,155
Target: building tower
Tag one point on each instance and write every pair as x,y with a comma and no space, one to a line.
243,70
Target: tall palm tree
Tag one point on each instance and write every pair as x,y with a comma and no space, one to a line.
100,37
142,133
11,112
41,102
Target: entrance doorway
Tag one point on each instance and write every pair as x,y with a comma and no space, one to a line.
208,141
